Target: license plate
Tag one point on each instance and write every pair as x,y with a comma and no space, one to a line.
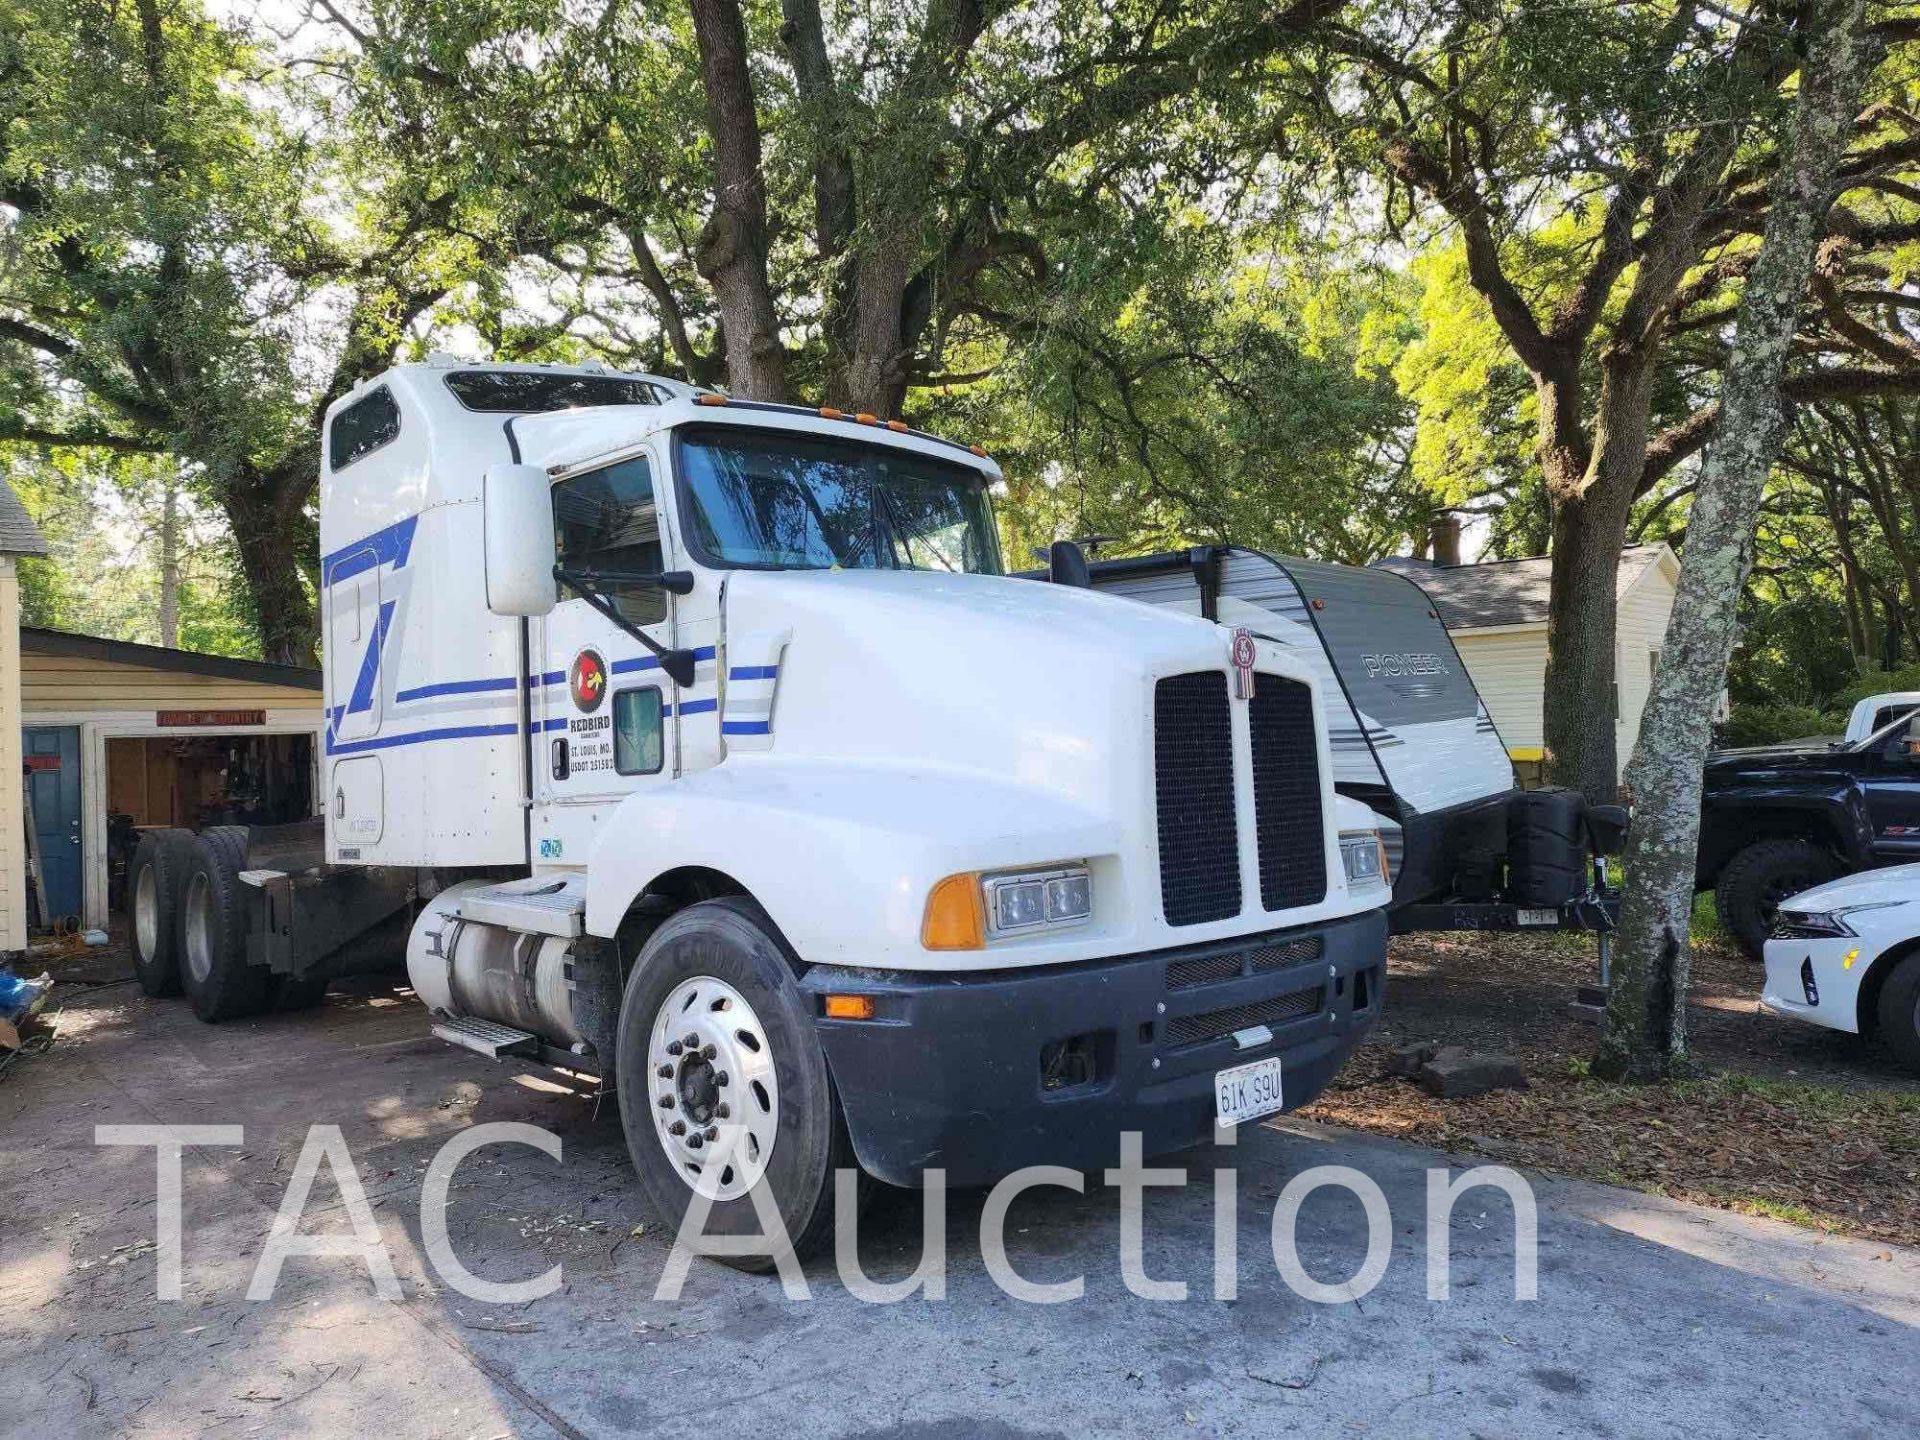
1246,1092
1538,917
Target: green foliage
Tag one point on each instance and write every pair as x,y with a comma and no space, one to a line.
1771,724
1877,682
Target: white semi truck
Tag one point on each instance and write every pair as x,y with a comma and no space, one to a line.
704,747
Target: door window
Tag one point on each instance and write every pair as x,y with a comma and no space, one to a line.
638,736
606,520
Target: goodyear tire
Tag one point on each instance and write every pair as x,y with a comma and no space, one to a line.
1754,882
755,1085
159,865
1898,1012
219,982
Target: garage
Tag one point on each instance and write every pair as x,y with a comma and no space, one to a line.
118,737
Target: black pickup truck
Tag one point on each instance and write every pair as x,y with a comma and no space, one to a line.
1778,820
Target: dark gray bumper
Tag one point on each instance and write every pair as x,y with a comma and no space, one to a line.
965,1072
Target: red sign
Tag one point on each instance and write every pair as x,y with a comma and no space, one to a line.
43,762
225,719
588,680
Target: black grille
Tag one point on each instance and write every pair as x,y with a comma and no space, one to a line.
1208,969
1193,794
1289,827
1288,953
1191,1029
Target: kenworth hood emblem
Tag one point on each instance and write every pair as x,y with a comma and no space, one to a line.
1243,655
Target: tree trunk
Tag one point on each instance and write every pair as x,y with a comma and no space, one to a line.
277,544
731,253
1578,705
170,563
1644,1036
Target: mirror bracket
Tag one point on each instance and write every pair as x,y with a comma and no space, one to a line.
679,664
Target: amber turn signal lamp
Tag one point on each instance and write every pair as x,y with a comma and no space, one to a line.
956,915
849,1007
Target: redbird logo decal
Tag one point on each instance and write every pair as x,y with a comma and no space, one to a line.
588,680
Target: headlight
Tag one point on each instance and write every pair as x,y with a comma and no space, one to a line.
1034,899
965,911
1824,924
1364,857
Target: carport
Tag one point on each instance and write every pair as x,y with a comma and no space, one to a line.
118,737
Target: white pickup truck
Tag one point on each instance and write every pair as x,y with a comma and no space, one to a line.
704,747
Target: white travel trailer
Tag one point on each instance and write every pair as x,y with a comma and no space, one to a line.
703,746
1412,740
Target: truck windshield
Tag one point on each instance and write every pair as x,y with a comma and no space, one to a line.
773,500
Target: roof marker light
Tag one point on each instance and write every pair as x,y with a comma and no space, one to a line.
827,412
976,450
898,427
709,399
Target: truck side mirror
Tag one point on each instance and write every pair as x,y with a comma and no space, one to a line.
517,506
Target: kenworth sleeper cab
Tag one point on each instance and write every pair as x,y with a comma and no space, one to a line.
706,748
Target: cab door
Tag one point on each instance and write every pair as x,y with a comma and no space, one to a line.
603,708
1892,784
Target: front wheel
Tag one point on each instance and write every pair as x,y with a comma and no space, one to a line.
1754,882
723,1087
1899,1012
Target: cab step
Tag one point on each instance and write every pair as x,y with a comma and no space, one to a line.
543,905
484,1037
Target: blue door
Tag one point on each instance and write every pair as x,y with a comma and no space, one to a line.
53,783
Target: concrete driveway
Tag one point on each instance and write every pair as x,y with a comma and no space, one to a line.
1652,1319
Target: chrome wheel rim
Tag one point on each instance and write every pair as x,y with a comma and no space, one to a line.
146,913
711,1087
197,928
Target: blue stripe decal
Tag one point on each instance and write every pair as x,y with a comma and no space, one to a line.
652,662
552,677
745,727
558,723
370,664
753,672
454,687
698,707
418,737
389,546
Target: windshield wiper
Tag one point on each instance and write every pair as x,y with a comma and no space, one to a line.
677,663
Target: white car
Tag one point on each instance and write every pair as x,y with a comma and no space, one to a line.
1846,955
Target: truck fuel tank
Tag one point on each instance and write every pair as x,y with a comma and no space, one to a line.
460,967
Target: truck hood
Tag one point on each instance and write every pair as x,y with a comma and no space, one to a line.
1043,684
1798,760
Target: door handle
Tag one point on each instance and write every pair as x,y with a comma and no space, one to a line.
561,768
340,803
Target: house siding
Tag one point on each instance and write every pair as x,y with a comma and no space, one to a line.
1509,666
1509,670
13,844
65,684
1640,632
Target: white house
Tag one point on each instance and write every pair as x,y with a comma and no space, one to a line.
1497,614
17,537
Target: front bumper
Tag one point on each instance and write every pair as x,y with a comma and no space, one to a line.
1835,982
986,1072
